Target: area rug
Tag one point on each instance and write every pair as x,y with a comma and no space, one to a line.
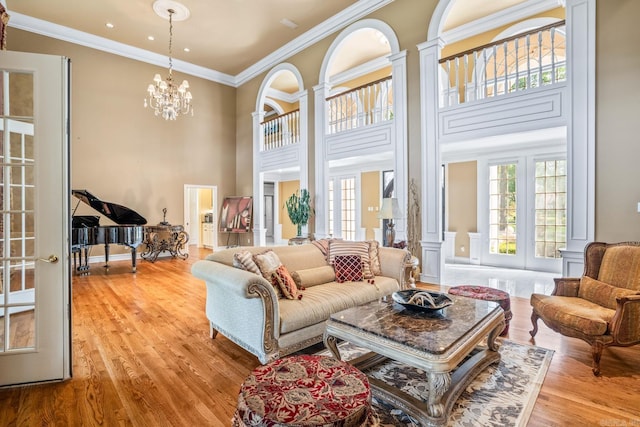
502,395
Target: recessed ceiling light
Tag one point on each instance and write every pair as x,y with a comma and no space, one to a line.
186,49
109,25
289,23
151,38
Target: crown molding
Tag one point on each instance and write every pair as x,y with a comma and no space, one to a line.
498,19
336,22
49,29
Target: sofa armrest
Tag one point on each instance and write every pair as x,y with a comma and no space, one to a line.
394,263
625,325
242,306
566,286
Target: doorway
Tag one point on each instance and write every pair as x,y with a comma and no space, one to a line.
200,215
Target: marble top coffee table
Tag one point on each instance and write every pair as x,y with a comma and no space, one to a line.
436,343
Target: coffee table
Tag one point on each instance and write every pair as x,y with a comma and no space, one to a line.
437,343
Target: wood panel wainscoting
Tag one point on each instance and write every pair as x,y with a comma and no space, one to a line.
142,356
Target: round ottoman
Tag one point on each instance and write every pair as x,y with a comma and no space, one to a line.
304,390
487,294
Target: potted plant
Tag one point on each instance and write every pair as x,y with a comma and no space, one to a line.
299,209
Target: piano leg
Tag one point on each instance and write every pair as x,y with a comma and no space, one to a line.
106,256
133,259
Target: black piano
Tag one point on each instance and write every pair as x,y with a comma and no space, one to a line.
86,230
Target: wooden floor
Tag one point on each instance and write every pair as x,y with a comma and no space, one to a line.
142,356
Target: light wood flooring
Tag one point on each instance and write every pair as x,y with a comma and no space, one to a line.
142,356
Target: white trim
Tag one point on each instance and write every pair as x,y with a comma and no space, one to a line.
281,95
314,35
49,29
317,33
524,26
499,19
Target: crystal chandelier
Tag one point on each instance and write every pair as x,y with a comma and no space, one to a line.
165,98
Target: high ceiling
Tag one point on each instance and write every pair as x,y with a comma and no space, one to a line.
226,36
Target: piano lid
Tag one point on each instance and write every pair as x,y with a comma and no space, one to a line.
117,213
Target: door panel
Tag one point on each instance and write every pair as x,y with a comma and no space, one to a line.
34,219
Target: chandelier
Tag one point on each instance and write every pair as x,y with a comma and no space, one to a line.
165,98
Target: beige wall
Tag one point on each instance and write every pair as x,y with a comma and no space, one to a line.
371,194
462,186
286,189
617,111
121,152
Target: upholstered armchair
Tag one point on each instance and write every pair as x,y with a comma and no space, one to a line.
603,306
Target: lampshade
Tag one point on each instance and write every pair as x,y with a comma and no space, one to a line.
390,209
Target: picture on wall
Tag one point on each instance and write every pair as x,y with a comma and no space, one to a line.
236,215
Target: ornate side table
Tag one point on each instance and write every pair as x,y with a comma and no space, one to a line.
165,237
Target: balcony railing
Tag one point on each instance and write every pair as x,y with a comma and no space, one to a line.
524,61
281,131
362,106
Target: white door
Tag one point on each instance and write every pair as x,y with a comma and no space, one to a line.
34,219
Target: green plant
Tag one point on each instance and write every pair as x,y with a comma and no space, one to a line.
299,208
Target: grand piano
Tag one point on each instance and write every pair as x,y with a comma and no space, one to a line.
86,230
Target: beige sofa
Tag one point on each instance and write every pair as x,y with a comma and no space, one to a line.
245,307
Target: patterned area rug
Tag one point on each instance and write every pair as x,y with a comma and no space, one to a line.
502,395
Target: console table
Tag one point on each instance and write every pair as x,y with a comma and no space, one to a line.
165,237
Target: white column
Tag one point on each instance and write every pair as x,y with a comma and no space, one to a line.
581,70
449,246
322,172
432,262
401,160
304,144
259,229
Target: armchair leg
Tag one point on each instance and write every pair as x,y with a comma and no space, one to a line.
596,352
212,331
534,322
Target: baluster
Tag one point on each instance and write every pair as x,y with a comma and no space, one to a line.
553,56
446,86
540,79
528,45
466,78
475,75
506,68
484,63
495,71
457,80
517,45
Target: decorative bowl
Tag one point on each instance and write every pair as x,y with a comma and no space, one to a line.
421,300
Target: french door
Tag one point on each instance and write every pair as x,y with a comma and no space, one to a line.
34,219
525,213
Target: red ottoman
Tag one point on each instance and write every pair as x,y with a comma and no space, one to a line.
487,294
304,390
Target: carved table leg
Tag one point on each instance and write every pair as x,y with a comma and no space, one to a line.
439,383
331,343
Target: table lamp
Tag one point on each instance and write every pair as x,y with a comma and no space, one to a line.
390,210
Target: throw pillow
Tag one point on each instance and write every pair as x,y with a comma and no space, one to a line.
244,259
283,280
267,262
348,268
602,293
374,261
344,247
314,276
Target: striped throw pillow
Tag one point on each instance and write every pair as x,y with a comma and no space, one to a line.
244,259
345,247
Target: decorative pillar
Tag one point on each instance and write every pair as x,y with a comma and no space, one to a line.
432,260
303,153
322,172
401,161
581,78
259,229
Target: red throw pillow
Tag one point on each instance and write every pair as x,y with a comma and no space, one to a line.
283,280
348,268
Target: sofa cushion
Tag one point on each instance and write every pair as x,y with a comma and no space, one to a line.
321,301
314,276
601,293
574,313
620,267
348,268
283,280
244,259
267,262
345,247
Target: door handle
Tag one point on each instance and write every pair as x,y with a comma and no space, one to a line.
51,260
